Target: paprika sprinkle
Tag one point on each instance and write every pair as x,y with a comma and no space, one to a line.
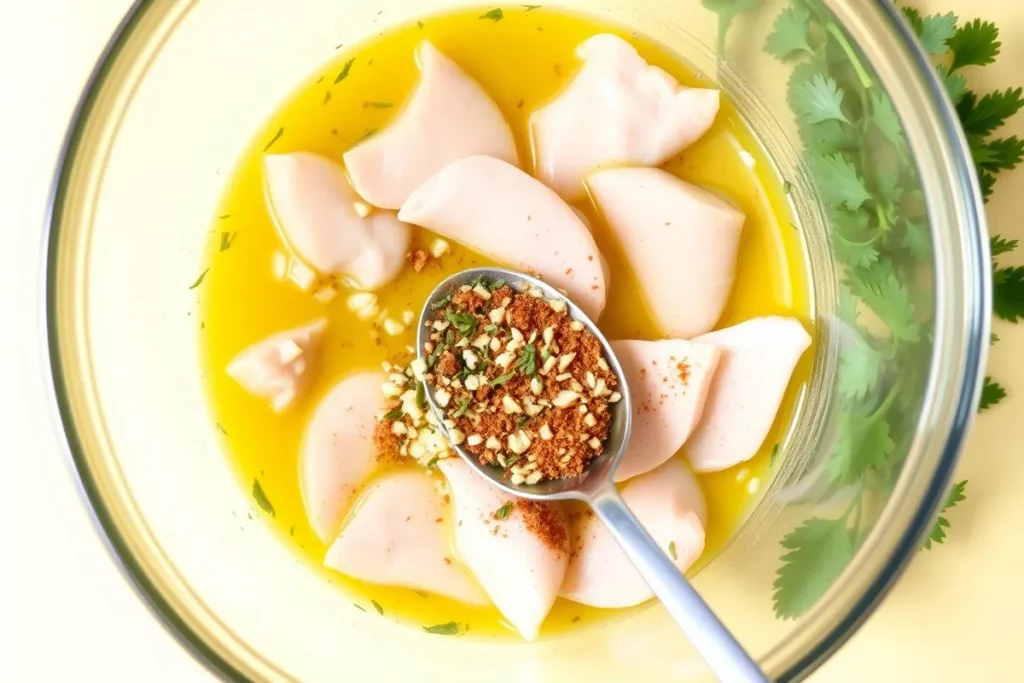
526,386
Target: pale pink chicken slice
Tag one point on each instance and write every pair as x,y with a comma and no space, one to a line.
327,224
681,241
758,359
669,503
276,368
617,110
520,560
496,209
400,535
337,454
669,382
448,117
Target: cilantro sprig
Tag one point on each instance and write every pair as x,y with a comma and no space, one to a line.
856,152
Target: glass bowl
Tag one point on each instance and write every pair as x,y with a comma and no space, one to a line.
176,97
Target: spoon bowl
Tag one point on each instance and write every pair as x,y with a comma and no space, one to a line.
596,487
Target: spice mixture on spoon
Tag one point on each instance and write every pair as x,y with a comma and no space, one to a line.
524,385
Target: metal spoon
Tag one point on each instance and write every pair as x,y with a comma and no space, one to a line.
595,487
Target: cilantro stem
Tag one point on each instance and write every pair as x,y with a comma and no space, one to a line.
862,74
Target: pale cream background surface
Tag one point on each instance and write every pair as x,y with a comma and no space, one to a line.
66,612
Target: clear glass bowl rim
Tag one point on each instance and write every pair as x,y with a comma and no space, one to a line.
958,404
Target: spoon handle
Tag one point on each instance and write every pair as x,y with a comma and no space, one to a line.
723,654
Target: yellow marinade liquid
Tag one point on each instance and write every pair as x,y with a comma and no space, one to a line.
523,61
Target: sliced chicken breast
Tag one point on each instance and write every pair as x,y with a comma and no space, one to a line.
448,117
505,214
276,368
337,454
617,110
325,222
669,382
518,550
400,535
758,359
669,503
680,240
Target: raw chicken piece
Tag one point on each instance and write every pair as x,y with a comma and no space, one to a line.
669,382
758,359
617,110
276,367
325,222
449,117
681,241
498,210
399,536
669,503
337,454
520,569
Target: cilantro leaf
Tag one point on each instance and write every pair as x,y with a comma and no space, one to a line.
494,15
261,498
1002,154
1008,292
863,443
992,392
975,43
860,368
998,245
981,117
527,363
449,629
829,137
727,11
853,240
819,550
790,33
880,288
956,84
465,323
935,30
839,181
913,18
917,238
820,99
885,119
956,495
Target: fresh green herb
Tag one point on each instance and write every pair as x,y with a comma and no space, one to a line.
327,97
376,606
787,187
992,392
523,421
464,322
277,136
775,453
359,607
998,245
880,232
199,280
421,396
501,379
494,15
511,460
441,303
672,550
993,338
382,105
220,428
502,512
956,495
496,285
432,462
491,329
261,498
463,406
226,239
449,629
727,10
393,415
343,74
545,353
527,363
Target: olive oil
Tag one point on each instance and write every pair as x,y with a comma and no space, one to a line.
522,59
